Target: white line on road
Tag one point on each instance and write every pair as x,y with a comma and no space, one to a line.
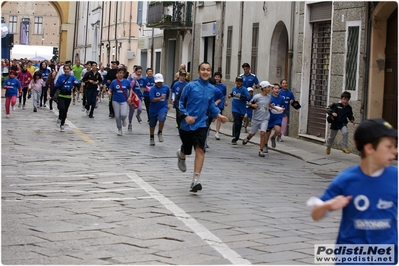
198,228
72,191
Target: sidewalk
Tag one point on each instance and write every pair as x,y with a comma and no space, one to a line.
307,151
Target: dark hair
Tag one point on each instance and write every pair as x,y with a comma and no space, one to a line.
281,81
122,69
245,65
374,144
203,63
148,69
218,74
92,62
212,80
136,67
68,66
276,84
346,95
37,74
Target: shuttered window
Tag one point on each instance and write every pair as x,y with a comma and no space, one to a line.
228,51
254,51
352,55
320,11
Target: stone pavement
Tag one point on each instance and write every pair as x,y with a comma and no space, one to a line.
87,196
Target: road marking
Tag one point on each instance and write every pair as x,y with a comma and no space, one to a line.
97,199
76,130
198,228
72,191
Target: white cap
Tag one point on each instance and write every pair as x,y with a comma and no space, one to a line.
265,84
158,78
250,89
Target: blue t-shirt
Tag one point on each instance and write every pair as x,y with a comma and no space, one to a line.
138,87
371,215
249,110
223,90
149,82
45,72
13,86
288,96
68,85
276,119
249,80
117,94
159,106
239,106
176,89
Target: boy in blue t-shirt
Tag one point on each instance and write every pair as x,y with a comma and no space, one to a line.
149,82
248,115
367,193
240,97
289,99
159,97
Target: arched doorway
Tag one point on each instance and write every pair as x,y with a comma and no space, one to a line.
278,54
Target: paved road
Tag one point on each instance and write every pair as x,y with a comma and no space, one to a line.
88,196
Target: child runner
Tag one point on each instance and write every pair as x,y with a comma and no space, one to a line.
13,89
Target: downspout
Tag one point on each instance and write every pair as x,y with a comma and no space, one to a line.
101,32
116,29
222,36
130,24
240,38
87,30
109,27
366,59
193,38
291,42
74,36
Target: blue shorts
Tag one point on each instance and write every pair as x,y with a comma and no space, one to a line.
154,119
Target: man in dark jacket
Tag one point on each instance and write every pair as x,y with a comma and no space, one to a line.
111,75
92,80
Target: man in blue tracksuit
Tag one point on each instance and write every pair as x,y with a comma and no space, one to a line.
195,104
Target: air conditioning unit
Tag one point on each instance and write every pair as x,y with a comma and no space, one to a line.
131,54
201,3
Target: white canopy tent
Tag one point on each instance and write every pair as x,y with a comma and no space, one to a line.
30,51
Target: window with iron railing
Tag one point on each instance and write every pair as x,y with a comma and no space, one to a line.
254,51
320,64
228,51
352,56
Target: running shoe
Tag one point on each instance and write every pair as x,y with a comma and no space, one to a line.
195,186
273,140
181,163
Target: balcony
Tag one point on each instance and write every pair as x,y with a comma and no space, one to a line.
170,15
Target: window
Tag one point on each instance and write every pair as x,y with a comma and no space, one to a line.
12,24
24,34
228,51
38,25
352,56
320,64
254,51
2,20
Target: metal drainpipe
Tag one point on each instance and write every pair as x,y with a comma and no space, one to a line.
291,42
87,29
240,29
366,58
193,39
74,36
116,29
109,26
130,24
222,35
101,32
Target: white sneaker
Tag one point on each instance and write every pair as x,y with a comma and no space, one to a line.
152,142
62,128
58,122
124,122
8,116
160,137
181,163
217,136
13,108
119,132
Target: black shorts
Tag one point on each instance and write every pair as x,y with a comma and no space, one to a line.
193,138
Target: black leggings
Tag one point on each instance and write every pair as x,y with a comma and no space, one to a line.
23,96
43,97
63,105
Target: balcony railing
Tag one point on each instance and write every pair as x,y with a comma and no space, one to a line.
170,15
